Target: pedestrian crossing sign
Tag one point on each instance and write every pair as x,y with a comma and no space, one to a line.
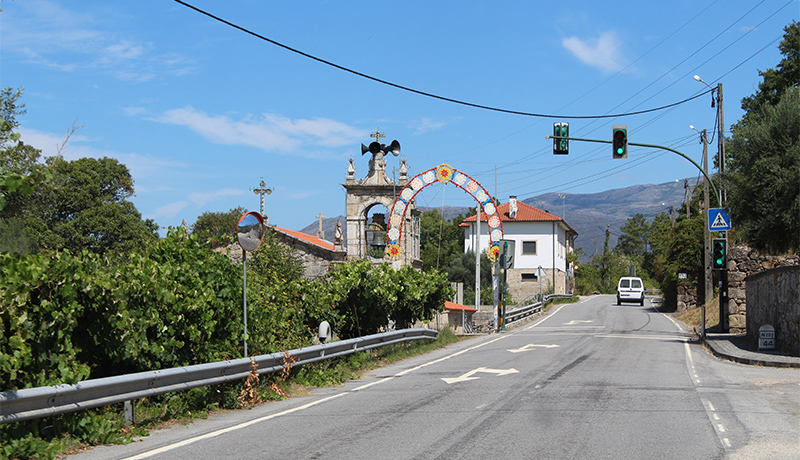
718,220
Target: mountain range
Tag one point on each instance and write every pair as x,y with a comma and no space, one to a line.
588,214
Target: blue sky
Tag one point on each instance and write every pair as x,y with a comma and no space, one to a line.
200,111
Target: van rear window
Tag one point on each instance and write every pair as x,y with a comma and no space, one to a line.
636,284
624,283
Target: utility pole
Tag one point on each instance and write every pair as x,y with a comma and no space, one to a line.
724,312
687,197
721,142
709,288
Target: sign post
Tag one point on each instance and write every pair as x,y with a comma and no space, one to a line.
249,234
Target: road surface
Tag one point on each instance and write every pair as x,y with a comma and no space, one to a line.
590,380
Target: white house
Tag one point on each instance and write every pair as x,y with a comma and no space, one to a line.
536,239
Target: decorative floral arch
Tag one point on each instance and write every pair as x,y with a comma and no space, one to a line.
443,173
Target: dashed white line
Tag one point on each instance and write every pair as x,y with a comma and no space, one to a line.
213,434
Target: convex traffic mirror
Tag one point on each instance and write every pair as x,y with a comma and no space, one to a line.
250,231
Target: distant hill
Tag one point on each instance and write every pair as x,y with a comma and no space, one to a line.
589,214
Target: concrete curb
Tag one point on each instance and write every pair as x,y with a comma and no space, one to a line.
732,348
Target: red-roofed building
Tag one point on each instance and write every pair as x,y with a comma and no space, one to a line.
458,315
536,239
316,254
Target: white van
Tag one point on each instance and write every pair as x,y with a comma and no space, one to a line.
630,289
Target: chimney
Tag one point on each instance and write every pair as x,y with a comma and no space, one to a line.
512,207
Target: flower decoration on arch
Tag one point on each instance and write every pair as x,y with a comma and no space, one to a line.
444,174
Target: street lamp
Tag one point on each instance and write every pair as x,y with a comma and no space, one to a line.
723,288
720,133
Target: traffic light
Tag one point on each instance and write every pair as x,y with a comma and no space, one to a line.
620,141
719,254
507,254
560,146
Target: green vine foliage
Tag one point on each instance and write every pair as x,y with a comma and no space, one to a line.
282,313
70,316
367,297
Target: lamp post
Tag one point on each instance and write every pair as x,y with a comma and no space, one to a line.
724,320
708,290
720,133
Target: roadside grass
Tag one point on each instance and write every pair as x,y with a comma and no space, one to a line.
693,316
181,408
559,300
334,372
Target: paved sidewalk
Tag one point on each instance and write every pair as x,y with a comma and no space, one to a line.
735,348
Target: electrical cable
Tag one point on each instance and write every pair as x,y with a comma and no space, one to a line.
423,93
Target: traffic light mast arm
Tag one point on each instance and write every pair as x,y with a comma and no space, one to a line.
716,193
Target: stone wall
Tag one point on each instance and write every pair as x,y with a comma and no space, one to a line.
744,262
773,298
687,296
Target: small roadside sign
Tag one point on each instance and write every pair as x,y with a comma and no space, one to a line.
718,220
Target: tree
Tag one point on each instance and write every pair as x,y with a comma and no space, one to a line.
86,207
461,269
777,81
83,205
763,167
764,171
20,172
440,240
218,228
635,237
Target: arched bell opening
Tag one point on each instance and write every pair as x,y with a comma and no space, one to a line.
375,230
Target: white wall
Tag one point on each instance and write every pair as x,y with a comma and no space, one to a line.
541,232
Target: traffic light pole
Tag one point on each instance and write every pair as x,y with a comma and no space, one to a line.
716,193
724,320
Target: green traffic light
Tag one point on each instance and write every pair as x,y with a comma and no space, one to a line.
620,141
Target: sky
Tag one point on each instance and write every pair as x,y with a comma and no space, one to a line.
200,111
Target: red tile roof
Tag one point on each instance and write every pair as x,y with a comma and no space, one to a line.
306,237
525,213
457,306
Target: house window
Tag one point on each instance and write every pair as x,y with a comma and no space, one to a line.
529,277
529,248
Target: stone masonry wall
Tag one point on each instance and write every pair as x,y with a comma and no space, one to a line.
773,298
742,263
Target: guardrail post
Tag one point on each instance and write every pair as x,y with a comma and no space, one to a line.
130,412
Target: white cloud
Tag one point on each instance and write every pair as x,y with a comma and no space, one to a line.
46,142
301,195
53,36
271,133
426,124
201,198
602,52
168,211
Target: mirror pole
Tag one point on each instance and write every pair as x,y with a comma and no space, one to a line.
244,298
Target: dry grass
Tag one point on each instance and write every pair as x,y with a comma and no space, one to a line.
693,316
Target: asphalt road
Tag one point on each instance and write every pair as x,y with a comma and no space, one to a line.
589,381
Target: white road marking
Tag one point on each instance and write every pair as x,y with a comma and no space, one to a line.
213,434
531,346
216,433
469,375
643,337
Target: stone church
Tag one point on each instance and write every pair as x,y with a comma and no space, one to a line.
365,235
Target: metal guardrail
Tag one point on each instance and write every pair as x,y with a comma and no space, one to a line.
31,403
522,312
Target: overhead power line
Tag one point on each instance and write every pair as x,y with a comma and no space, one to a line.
423,93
